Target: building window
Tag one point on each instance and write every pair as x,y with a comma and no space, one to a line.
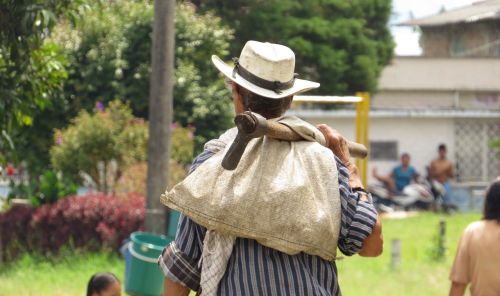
384,150
457,45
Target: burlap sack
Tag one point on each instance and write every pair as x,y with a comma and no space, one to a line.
283,194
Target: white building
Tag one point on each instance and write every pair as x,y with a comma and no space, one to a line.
423,102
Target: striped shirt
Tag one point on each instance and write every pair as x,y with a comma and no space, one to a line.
254,269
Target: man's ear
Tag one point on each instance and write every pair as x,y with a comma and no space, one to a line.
237,100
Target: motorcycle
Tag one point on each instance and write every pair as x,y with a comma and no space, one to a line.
423,195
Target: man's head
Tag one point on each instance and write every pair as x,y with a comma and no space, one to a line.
263,78
245,100
442,151
405,159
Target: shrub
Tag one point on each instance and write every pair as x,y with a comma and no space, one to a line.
48,188
15,230
92,222
93,142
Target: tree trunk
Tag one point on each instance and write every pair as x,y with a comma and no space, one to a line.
160,113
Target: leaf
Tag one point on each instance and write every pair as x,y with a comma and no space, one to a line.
6,136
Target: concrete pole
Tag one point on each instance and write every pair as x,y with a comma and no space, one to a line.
395,254
160,113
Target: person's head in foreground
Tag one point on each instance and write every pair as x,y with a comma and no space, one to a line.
263,78
104,284
492,202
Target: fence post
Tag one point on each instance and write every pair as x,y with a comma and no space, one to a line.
441,243
395,254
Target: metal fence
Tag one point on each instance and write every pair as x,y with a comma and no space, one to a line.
476,160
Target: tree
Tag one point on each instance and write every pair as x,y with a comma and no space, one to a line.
100,144
32,71
106,142
342,44
109,53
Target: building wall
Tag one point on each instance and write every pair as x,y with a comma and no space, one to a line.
417,136
454,40
413,99
419,99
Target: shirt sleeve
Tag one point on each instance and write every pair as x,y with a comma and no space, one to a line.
358,218
460,271
179,260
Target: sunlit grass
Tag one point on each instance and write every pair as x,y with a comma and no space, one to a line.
418,274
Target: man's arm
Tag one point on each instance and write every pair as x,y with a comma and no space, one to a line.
361,229
373,245
171,288
451,172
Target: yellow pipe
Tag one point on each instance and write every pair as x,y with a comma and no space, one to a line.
362,123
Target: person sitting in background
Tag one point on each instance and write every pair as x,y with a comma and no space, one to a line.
400,177
104,284
441,170
478,255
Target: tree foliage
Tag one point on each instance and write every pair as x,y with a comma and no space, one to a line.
109,52
32,71
342,44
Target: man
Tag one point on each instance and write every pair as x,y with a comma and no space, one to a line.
263,81
441,170
400,177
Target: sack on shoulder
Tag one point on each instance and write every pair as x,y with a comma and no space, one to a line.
283,194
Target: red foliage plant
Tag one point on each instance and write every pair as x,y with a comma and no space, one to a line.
91,222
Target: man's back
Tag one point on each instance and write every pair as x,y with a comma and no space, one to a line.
254,269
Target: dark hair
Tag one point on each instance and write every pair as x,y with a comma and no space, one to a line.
492,202
442,147
269,108
100,281
405,155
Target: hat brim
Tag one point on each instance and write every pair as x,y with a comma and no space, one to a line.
299,85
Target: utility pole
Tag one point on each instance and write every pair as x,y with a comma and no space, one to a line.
160,113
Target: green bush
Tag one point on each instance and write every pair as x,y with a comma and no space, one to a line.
48,188
103,144
100,144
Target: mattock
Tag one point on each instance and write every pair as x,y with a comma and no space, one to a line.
252,125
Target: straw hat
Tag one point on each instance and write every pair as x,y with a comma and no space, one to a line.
265,69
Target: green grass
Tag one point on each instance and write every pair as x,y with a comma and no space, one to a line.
67,275
418,274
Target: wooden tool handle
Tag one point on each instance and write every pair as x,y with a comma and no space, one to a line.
280,131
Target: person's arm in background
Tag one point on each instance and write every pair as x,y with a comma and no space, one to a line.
361,228
451,171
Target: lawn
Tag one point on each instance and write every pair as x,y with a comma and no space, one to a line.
64,276
417,275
